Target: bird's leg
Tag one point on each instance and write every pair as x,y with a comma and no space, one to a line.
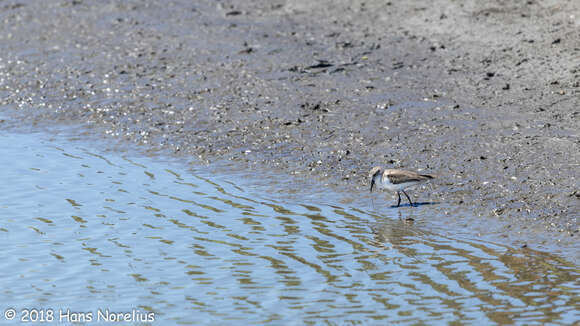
410,202
399,201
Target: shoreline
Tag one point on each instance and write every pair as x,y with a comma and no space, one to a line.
483,95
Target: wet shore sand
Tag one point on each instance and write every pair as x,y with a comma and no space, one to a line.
484,94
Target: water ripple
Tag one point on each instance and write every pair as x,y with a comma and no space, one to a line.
199,248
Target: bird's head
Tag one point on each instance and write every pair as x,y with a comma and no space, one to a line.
376,171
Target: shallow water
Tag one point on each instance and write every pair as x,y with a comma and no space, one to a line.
85,230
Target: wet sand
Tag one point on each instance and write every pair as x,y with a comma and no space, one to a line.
483,94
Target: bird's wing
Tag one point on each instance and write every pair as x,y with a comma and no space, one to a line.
402,176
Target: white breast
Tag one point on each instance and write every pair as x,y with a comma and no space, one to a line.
385,183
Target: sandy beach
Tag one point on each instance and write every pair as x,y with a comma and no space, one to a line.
484,94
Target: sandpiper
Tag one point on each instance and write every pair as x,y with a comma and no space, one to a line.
397,180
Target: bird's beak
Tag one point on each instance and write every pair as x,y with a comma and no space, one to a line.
372,184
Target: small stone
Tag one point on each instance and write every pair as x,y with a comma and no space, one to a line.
233,13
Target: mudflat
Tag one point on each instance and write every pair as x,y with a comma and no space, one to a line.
486,94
